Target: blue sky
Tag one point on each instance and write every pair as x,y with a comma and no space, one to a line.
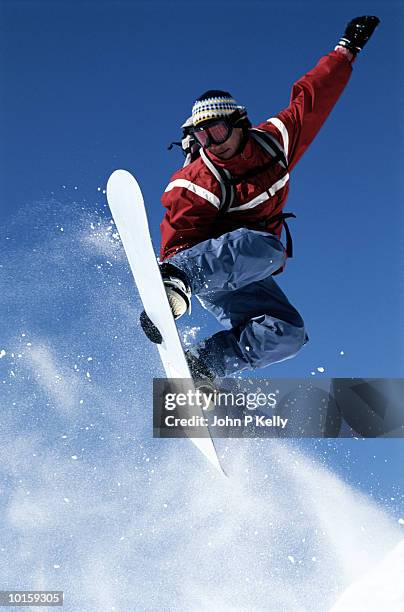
87,87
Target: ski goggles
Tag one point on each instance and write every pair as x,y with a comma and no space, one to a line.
216,132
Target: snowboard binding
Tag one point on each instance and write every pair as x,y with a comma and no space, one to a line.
178,293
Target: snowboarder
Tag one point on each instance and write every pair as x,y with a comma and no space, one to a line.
224,216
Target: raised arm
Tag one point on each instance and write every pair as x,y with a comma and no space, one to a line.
315,94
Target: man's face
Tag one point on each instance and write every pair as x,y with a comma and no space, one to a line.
229,147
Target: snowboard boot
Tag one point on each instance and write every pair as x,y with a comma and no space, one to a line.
198,368
179,297
177,289
202,375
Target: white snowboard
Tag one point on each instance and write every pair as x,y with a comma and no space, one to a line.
125,200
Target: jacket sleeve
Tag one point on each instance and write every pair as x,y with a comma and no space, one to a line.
190,212
313,97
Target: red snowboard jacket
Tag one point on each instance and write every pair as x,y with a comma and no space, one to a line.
192,198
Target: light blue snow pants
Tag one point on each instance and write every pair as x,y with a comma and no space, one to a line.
231,276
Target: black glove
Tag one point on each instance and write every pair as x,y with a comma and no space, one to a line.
150,329
358,32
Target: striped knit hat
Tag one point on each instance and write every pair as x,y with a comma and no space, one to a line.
214,104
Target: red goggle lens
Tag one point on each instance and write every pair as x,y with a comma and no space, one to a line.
215,133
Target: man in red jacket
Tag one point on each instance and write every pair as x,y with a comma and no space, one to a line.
224,216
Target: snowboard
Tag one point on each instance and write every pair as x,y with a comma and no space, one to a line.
126,203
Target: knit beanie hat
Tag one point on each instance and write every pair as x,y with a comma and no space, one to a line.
214,104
